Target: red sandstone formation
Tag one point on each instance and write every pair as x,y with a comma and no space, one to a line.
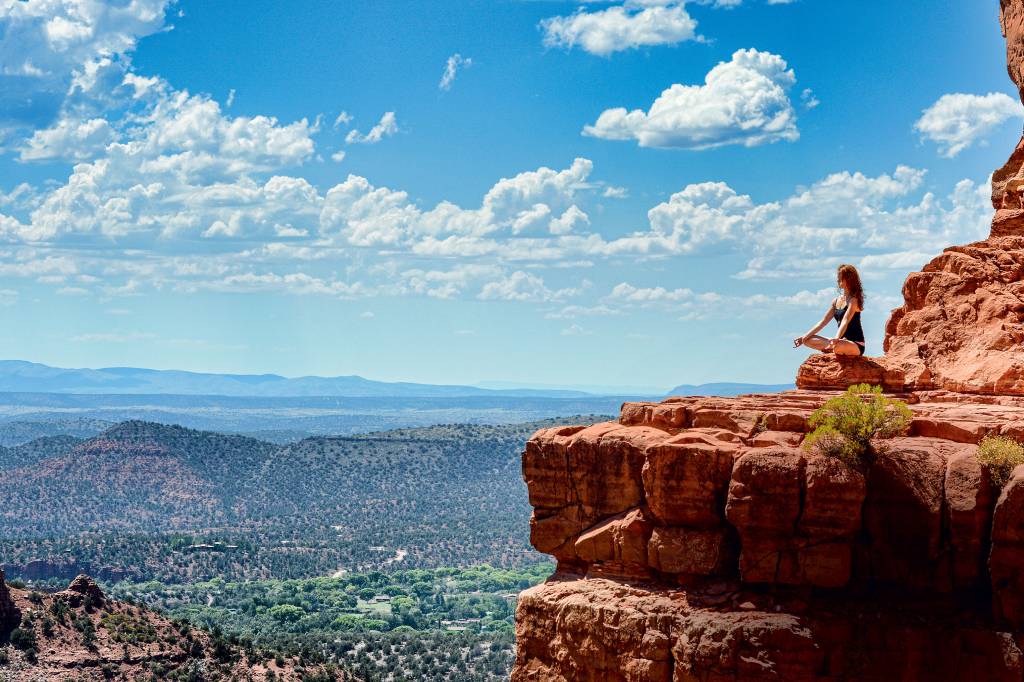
697,541
82,589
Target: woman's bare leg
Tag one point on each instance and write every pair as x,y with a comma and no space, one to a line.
816,342
844,347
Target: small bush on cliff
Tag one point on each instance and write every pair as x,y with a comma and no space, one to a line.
1000,455
844,427
25,640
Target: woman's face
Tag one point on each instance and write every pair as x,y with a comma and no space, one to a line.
841,282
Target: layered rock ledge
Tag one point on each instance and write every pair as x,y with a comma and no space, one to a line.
591,630
696,539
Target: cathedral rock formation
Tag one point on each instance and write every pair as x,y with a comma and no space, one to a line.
697,541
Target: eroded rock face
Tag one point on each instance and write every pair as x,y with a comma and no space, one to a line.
1008,181
726,550
1006,561
724,488
961,326
602,630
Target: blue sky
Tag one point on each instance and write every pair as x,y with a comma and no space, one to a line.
647,192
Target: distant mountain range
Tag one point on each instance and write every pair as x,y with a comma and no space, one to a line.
18,376
727,390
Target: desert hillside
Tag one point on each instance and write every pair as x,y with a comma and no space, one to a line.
81,634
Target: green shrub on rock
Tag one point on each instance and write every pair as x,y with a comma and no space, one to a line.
845,426
1000,455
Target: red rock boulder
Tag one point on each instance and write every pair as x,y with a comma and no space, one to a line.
797,515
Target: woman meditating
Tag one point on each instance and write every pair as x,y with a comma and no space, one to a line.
845,310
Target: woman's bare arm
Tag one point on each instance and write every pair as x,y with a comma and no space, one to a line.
824,320
818,327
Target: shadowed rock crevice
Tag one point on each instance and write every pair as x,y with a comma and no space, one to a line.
10,615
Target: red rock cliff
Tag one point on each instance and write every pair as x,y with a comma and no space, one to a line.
696,539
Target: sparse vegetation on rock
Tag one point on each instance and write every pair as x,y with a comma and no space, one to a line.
1001,455
845,426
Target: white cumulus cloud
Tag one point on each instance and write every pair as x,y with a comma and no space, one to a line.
957,121
69,139
569,220
636,23
742,101
50,48
523,286
843,217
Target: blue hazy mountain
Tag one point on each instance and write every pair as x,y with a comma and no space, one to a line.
727,390
18,376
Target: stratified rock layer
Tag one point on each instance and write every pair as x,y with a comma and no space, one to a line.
697,540
597,630
721,487
961,326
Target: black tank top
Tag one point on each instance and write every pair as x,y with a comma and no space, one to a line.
854,332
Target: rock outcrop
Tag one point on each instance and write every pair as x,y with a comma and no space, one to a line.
1008,181
697,540
82,590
